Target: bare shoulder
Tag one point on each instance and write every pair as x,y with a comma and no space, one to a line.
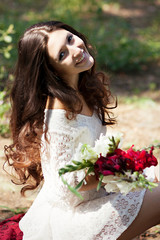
54,104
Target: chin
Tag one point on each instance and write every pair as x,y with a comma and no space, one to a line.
91,59
90,63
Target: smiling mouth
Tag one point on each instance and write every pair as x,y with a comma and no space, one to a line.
80,60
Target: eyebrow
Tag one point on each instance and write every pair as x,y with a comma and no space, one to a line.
57,56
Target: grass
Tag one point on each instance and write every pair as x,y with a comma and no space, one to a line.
137,101
13,210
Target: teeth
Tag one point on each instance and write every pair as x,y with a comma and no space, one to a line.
79,60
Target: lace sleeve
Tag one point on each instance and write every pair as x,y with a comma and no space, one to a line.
63,139
62,148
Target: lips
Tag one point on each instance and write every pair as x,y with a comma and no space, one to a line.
81,59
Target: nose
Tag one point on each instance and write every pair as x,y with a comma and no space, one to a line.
77,52
77,47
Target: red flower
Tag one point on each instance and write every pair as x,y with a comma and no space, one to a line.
151,160
109,165
139,160
121,161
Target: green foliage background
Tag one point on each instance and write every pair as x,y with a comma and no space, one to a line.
120,47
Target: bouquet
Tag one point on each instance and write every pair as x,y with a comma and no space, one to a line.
120,171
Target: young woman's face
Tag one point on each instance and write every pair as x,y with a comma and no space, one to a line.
68,54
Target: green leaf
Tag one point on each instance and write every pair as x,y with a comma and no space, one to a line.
8,39
7,55
10,29
15,210
91,169
76,162
75,167
80,184
72,189
100,182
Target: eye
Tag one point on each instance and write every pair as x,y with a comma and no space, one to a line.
61,55
70,37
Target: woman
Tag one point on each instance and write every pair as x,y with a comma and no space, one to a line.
59,101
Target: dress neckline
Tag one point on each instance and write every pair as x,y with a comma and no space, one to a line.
63,110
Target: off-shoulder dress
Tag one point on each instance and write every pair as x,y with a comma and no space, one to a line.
58,214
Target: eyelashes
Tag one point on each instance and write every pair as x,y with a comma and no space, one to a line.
70,38
62,54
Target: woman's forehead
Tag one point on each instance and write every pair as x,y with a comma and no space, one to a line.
56,40
57,35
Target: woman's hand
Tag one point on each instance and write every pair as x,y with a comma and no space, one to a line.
91,183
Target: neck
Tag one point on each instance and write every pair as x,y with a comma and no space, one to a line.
73,81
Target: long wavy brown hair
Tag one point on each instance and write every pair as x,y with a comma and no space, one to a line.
34,80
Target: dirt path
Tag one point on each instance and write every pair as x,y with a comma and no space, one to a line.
139,122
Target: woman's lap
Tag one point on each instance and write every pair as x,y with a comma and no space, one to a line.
149,215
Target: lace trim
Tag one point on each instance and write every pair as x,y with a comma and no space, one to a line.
126,210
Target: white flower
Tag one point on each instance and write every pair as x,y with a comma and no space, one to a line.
111,187
81,175
110,178
102,145
126,187
77,155
118,137
85,152
111,183
117,184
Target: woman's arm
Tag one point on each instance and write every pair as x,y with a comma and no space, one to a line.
63,149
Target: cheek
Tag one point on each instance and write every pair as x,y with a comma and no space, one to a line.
67,66
68,63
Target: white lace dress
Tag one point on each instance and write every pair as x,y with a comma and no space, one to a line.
56,213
